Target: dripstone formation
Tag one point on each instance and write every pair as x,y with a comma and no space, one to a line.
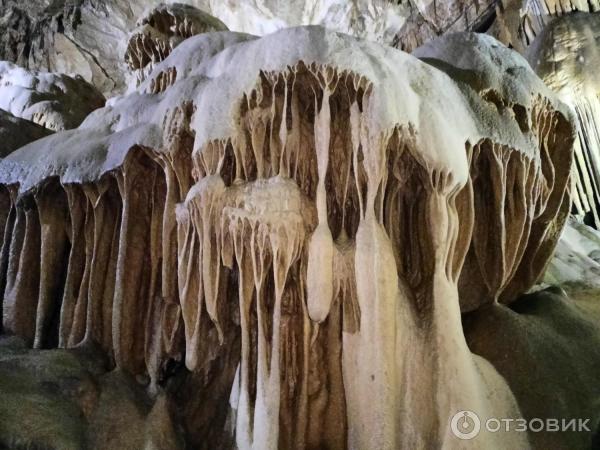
299,219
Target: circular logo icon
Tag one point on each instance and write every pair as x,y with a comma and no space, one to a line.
465,425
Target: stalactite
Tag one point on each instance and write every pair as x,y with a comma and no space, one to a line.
8,196
80,312
319,280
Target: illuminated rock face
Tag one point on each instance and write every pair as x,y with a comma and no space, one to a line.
566,56
314,198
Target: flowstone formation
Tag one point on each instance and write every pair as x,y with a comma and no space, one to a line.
295,233
566,56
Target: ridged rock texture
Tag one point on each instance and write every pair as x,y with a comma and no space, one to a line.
566,56
300,220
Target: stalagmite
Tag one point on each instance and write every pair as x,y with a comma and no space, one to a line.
317,215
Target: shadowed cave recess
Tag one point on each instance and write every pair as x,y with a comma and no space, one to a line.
300,240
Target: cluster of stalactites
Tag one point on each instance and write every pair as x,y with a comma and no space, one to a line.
279,207
160,32
145,49
586,176
521,203
143,53
93,261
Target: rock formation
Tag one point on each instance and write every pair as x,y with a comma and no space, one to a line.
61,36
54,101
302,234
512,245
566,56
546,346
576,261
65,399
160,31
